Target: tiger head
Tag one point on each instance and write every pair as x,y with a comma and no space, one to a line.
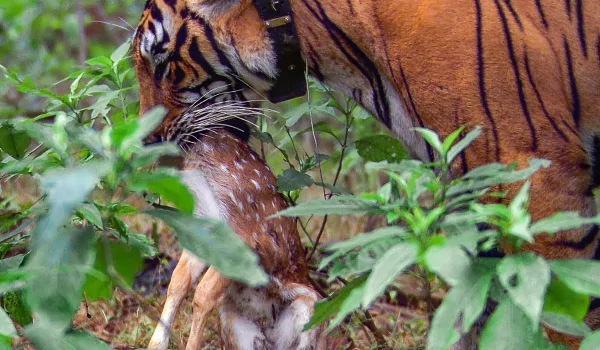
187,58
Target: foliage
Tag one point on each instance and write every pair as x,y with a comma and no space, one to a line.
77,239
80,139
437,220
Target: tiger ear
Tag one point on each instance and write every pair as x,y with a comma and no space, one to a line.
210,9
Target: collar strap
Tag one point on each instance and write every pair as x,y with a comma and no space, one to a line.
291,81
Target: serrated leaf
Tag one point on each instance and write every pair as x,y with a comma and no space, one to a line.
90,212
561,299
292,180
508,328
591,341
582,276
377,148
214,243
341,304
565,324
466,299
13,142
58,270
341,205
65,189
525,277
387,268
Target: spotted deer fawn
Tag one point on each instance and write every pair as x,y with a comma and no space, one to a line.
229,181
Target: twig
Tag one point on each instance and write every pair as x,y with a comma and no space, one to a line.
367,320
81,32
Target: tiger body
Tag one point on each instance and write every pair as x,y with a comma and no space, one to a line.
527,71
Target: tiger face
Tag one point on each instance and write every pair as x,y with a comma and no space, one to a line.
187,60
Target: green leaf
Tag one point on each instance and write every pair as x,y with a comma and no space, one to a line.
59,269
65,189
214,243
15,306
591,341
582,276
341,205
466,299
46,336
13,142
520,217
565,324
377,148
341,304
432,139
89,212
525,277
120,52
561,299
334,189
11,263
145,126
508,328
501,175
122,209
292,180
561,222
387,268
437,259
462,144
449,140
124,259
7,327
99,61
170,188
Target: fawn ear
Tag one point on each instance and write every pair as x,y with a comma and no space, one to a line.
209,9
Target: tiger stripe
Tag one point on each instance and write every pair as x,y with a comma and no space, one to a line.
527,71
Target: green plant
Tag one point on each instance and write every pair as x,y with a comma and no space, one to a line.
434,224
78,243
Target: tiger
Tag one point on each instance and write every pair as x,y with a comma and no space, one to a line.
526,71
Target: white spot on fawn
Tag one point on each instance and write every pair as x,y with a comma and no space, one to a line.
264,207
256,184
238,165
257,217
249,199
252,156
235,177
224,168
257,172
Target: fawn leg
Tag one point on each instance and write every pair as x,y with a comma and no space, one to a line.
208,293
186,273
287,332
